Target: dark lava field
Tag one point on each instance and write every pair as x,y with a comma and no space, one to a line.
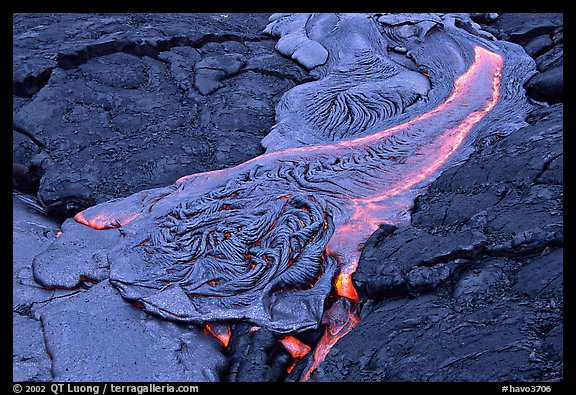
288,197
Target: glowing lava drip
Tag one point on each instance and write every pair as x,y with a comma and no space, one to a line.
260,241
221,332
295,348
343,315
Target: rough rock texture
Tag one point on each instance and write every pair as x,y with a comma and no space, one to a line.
251,242
542,36
256,356
32,232
93,334
30,362
120,103
473,289
96,336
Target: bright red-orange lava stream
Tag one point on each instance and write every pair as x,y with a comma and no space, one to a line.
296,349
387,197
101,221
370,212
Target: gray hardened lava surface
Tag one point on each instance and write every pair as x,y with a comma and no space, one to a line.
473,290
213,239
120,103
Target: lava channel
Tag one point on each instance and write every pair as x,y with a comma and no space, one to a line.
281,219
383,207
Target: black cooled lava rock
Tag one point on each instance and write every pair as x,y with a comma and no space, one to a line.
547,86
32,232
122,103
541,36
89,333
96,336
472,290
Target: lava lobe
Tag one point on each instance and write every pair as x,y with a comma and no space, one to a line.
269,240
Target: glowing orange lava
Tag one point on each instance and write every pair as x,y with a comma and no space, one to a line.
101,221
295,347
220,331
291,366
387,197
371,211
339,320
344,286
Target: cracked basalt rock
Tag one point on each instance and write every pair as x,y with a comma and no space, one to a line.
89,333
541,36
136,101
32,232
521,27
454,273
472,290
471,347
256,356
43,42
211,70
96,336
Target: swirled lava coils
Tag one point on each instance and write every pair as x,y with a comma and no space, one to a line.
269,240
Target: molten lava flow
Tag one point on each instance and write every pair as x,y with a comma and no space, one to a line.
339,320
295,347
289,207
343,283
101,221
220,331
369,212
